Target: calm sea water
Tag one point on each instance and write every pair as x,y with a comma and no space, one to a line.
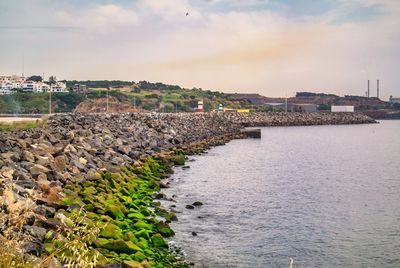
325,196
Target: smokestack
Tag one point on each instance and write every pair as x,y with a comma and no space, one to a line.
368,90
377,88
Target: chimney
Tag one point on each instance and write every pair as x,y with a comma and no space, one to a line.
377,88
368,90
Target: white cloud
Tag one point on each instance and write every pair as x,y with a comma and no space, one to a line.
101,18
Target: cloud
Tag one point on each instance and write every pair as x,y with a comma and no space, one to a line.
101,18
229,45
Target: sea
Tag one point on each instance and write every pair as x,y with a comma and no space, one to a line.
304,196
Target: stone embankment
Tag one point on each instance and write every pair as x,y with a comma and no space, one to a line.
40,164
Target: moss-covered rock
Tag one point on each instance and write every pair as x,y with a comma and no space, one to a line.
115,212
158,241
178,160
121,246
110,230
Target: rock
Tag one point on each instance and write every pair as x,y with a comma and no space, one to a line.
28,156
197,204
38,169
111,231
13,156
194,234
9,197
33,248
70,149
171,217
115,212
189,207
35,231
7,172
60,163
83,161
178,160
111,265
52,263
45,211
121,246
159,241
131,264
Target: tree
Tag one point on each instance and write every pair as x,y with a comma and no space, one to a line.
36,78
52,79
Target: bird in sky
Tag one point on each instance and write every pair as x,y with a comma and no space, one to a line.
187,14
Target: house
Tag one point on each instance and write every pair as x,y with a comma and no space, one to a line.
31,86
35,87
80,89
59,87
11,82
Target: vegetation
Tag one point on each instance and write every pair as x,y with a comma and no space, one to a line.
311,94
36,78
123,206
71,242
99,83
22,125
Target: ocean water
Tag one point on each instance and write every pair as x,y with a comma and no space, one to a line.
323,196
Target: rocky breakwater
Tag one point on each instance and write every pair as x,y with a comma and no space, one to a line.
297,119
108,164
90,181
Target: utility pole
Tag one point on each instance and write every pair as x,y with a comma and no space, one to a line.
50,100
377,88
134,102
107,100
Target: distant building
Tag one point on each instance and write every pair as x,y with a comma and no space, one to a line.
59,87
6,91
342,108
394,100
276,106
80,89
31,86
11,82
303,107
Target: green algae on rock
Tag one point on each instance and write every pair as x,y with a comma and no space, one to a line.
122,204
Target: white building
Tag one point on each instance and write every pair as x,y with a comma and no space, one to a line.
32,86
11,82
59,87
342,109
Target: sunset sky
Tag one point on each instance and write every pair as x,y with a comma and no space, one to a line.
270,47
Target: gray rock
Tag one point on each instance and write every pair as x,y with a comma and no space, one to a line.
38,169
35,231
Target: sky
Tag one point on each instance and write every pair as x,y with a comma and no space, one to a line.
271,47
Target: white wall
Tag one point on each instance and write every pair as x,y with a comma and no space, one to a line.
349,109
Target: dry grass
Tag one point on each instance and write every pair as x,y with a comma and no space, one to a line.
72,241
23,124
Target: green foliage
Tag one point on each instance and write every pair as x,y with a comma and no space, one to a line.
99,83
36,78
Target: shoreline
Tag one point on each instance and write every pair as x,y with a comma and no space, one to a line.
79,149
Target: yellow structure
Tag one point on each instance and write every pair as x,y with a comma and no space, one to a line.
243,110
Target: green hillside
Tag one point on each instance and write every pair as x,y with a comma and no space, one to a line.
143,95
